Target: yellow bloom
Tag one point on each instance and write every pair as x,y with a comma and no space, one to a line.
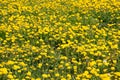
22,64
67,64
19,71
44,75
114,46
10,76
92,63
112,68
117,73
33,79
13,38
29,73
63,57
38,79
10,62
68,67
16,67
44,54
105,76
57,74
69,76
3,71
86,73
39,65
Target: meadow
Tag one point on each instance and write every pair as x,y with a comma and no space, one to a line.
59,39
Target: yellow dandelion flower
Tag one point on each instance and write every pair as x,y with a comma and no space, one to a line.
10,76
16,67
28,73
44,75
3,71
39,65
57,74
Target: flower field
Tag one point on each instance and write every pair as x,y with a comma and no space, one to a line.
59,39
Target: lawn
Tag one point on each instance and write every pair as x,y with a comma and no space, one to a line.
59,39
